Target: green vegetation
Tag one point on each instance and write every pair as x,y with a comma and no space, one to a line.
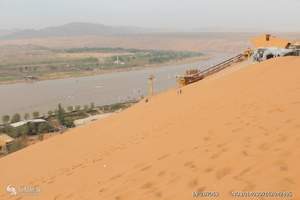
142,58
35,115
5,119
47,63
103,50
16,118
26,116
56,121
17,145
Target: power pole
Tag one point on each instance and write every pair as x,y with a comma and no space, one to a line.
150,84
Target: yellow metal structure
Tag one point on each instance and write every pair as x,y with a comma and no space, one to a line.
195,75
248,53
189,77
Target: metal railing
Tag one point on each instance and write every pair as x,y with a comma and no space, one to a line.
218,67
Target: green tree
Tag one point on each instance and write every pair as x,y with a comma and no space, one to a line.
24,131
86,107
77,108
26,116
43,128
50,113
61,115
69,123
36,115
92,106
5,119
70,108
16,118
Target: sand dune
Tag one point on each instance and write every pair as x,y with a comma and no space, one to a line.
237,132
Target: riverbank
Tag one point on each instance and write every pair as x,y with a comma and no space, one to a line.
76,74
102,89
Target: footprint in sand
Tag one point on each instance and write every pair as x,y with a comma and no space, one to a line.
158,194
218,154
56,197
221,145
201,189
223,172
206,150
208,170
245,153
116,177
215,155
282,138
97,160
190,164
264,147
196,147
50,180
163,157
146,168
69,173
101,190
288,180
147,185
180,152
161,173
283,167
242,173
193,183
69,196
77,166
249,186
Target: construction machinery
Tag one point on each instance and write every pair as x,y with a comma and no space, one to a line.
189,77
195,75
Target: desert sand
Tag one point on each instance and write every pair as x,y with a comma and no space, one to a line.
236,132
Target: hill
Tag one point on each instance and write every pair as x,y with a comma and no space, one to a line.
235,131
74,29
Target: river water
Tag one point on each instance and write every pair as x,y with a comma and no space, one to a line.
102,89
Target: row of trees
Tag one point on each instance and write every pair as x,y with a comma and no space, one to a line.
17,117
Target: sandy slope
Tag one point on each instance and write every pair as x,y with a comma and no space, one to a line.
239,132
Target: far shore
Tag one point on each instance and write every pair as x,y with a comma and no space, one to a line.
65,75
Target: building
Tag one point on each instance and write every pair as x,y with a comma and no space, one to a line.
268,46
5,141
22,123
296,47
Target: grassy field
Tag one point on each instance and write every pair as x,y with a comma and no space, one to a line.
18,62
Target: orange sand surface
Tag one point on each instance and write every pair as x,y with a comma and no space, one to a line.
239,132
261,41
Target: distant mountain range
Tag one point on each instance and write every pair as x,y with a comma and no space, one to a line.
73,29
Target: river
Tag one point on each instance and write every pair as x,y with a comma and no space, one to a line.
101,89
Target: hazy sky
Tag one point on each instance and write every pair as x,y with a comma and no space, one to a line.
170,14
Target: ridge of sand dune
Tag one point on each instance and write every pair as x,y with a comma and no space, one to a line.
239,132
